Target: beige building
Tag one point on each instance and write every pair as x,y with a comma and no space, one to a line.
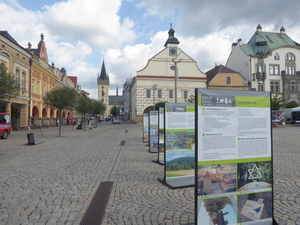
224,78
156,81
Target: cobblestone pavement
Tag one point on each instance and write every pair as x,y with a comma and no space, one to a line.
54,182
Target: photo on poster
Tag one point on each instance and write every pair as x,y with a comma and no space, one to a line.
255,207
153,137
217,211
216,179
254,176
180,163
180,140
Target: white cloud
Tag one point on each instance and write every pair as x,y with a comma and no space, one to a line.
93,22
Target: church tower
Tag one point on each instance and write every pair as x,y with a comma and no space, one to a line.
103,85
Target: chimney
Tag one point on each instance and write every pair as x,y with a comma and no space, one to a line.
240,41
282,30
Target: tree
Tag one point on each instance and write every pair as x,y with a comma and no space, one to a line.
9,86
276,102
98,107
83,106
191,99
292,104
114,111
159,104
61,98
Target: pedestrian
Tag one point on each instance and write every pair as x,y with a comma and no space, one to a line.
73,124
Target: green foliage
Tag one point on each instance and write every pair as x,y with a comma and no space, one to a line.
159,104
83,105
61,98
9,87
184,163
98,107
191,99
114,110
276,102
291,104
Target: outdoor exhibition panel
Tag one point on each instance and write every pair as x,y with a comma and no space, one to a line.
161,135
146,128
179,165
153,131
234,175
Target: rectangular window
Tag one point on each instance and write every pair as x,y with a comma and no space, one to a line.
17,75
274,86
260,87
228,80
159,93
292,87
170,94
274,69
185,94
37,90
290,70
148,93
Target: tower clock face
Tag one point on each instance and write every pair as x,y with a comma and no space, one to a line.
102,87
172,51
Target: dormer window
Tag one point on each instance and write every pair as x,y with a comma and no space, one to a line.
276,56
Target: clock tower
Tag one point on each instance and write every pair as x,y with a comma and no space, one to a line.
103,85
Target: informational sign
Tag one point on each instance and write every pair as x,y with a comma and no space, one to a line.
179,144
120,111
161,136
153,131
234,157
146,128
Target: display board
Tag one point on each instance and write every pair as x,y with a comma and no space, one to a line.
153,131
146,127
234,178
179,124
161,136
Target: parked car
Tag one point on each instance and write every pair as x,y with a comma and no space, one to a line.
107,119
5,126
116,120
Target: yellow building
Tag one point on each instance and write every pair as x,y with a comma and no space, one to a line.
17,61
225,78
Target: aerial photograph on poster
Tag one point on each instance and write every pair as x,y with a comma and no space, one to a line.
216,179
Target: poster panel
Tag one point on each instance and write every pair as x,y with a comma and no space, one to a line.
179,144
161,136
234,177
145,128
153,131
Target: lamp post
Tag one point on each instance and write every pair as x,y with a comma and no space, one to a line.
176,75
154,86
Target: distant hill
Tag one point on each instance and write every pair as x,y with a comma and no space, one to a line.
185,163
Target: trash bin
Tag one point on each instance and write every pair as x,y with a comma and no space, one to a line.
30,138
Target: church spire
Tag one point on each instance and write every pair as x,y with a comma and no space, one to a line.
103,77
172,39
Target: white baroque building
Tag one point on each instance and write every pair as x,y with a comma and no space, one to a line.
270,61
156,81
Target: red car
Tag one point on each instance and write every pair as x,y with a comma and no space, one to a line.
5,127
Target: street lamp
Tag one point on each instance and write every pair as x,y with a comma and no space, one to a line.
176,75
154,86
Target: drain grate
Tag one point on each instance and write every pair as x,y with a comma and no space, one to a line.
126,131
96,210
122,143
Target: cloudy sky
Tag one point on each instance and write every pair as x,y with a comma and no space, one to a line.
79,34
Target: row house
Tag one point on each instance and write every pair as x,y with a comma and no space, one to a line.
30,66
270,61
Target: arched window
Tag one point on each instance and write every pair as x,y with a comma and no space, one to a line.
276,56
290,57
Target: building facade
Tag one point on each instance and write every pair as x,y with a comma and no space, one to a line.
170,76
222,77
17,61
103,85
270,61
126,98
30,67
